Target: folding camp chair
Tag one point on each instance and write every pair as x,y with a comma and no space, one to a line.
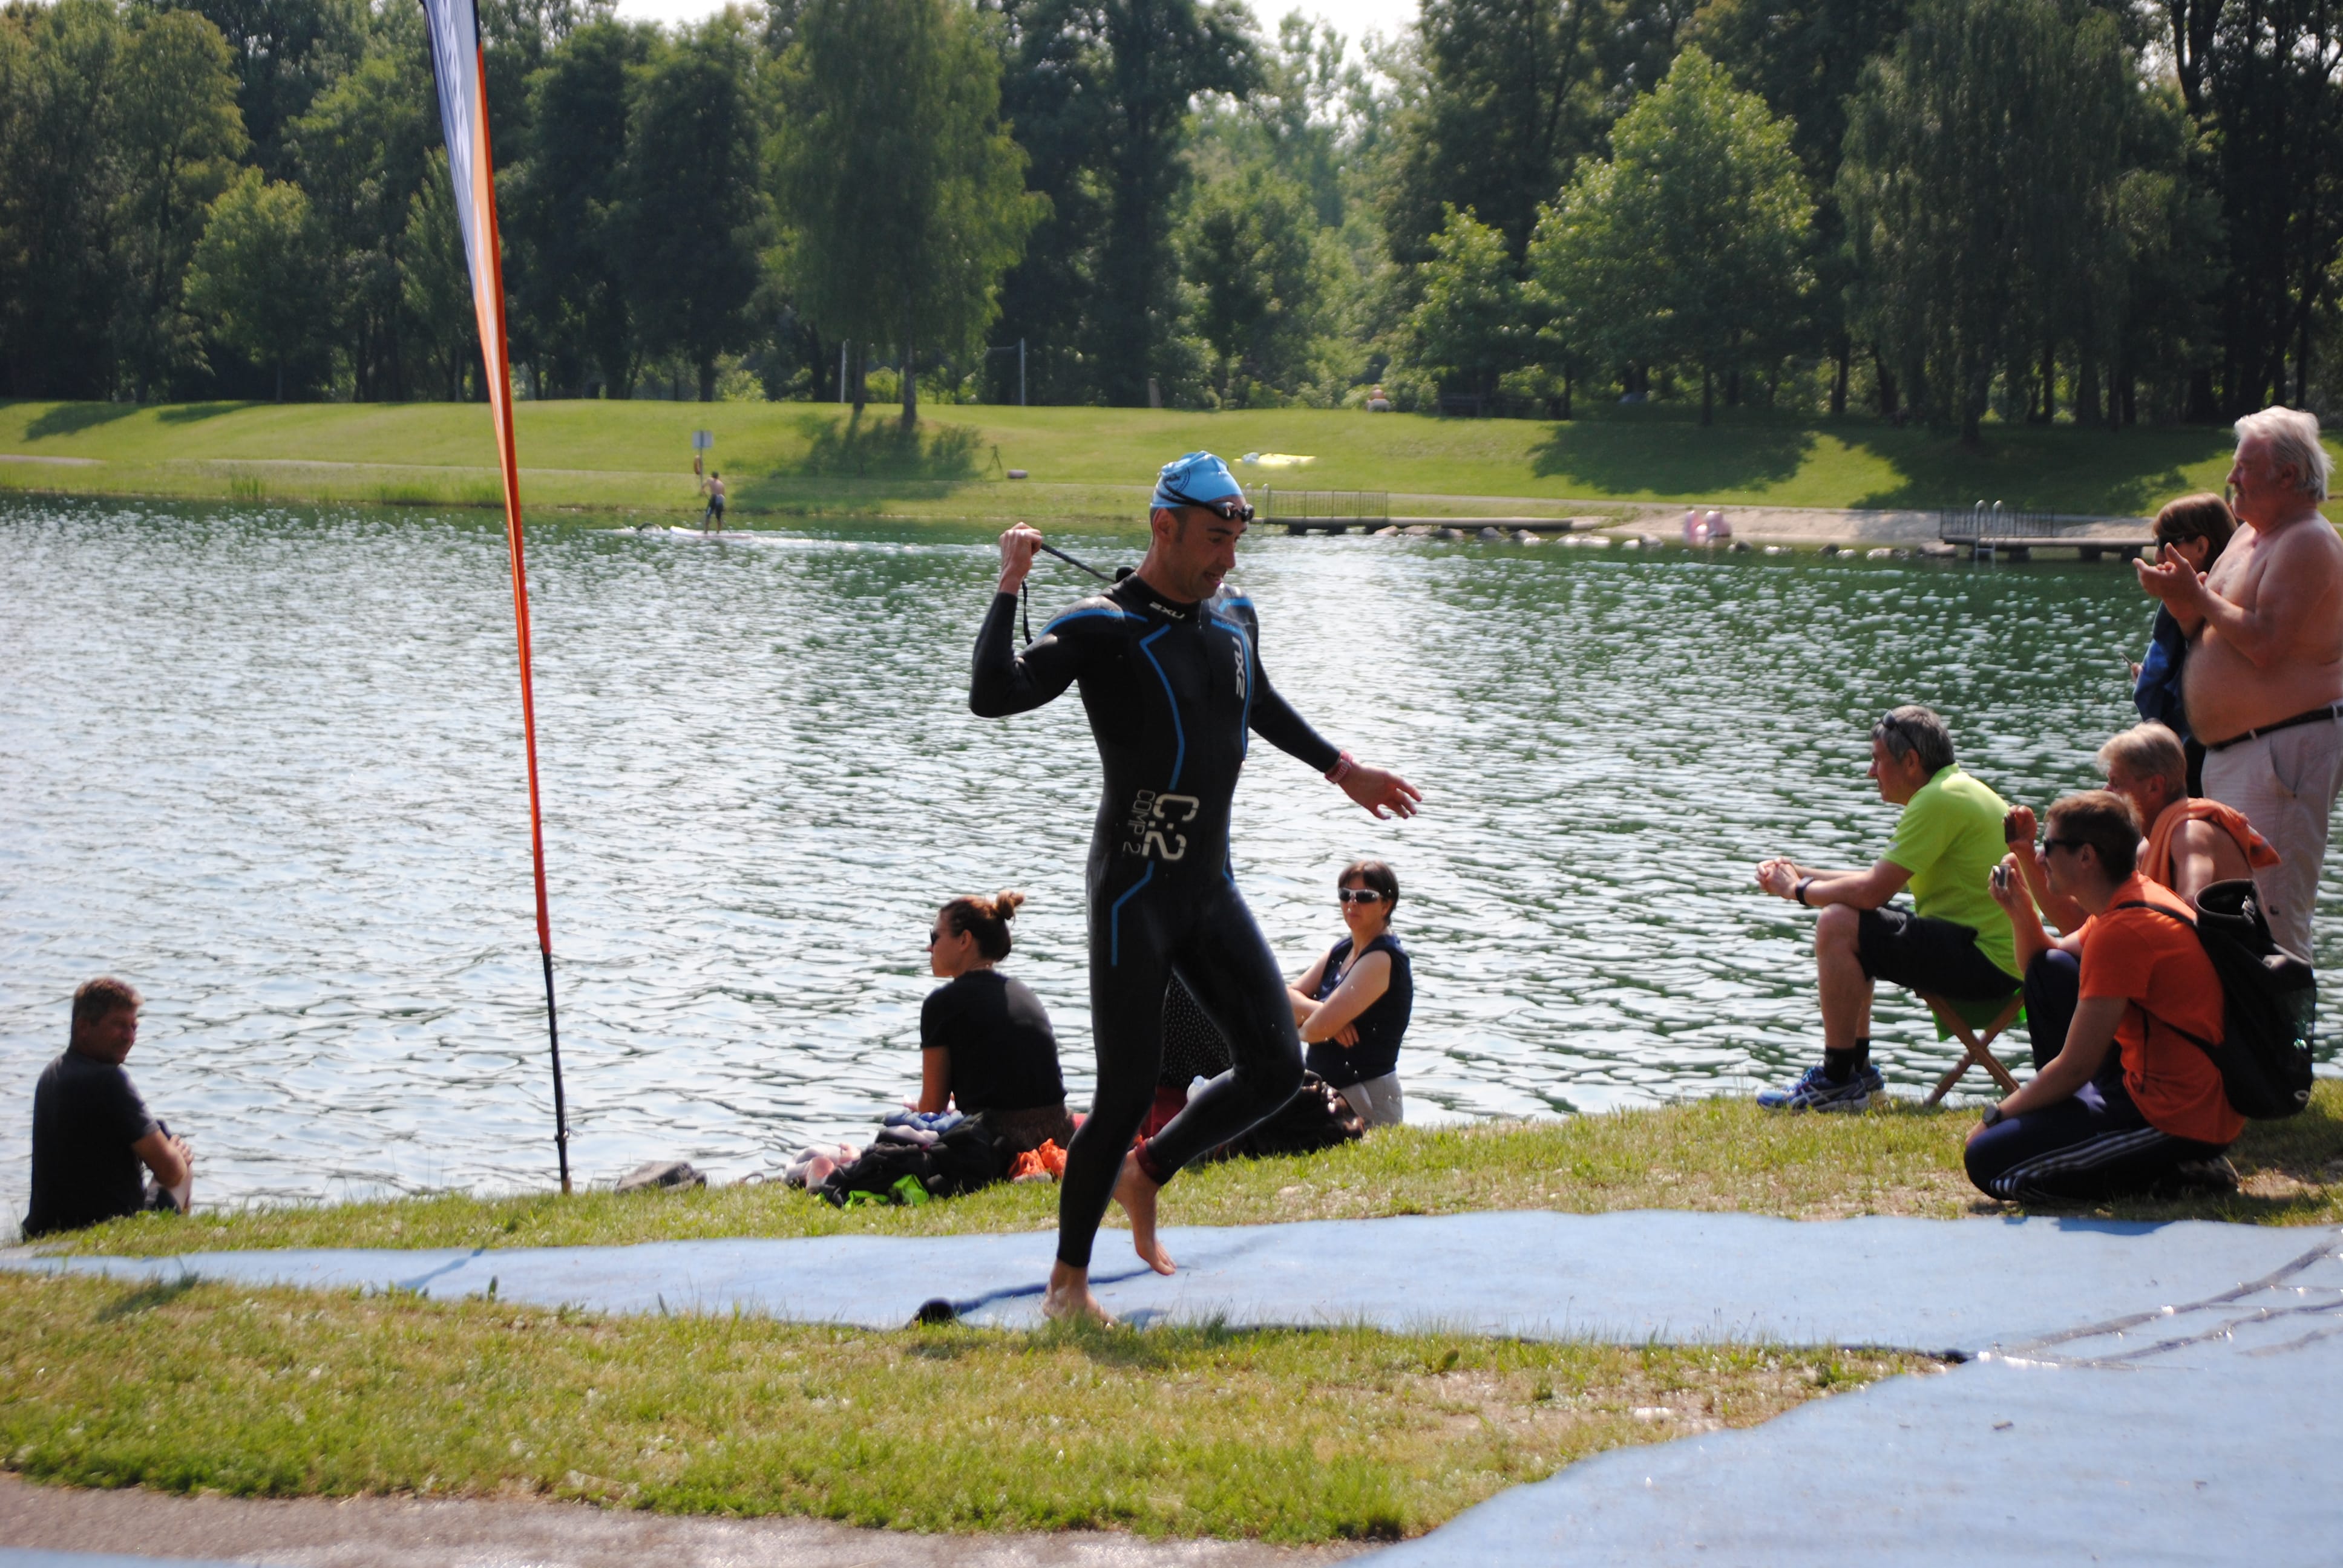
1977,1045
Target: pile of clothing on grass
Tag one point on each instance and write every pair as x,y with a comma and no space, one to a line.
918,1156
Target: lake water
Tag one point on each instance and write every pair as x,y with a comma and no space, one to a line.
267,764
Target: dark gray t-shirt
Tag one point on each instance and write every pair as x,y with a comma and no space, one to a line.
85,1117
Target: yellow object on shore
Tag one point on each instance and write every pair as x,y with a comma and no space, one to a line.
1275,460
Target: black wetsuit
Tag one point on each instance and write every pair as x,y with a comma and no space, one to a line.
1172,690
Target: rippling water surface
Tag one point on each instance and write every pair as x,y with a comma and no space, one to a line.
268,765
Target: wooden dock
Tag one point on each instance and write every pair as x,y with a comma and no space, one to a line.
1998,533
1463,525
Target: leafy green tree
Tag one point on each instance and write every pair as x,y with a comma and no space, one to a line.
1512,97
2261,80
435,285
176,135
59,180
363,150
1685,246
287,53
906,198
694,215
562,208
1983,157
1805,58
259,280
1261,272
1102,95
1467,328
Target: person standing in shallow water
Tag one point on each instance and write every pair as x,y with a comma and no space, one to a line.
1169,666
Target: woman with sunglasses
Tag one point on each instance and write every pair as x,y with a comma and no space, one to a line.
1353,1005
985,1042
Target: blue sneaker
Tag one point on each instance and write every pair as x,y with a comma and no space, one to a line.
1813,1091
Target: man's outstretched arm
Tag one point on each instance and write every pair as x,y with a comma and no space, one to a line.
1001,680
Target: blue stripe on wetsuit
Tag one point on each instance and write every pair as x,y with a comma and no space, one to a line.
1179,735
1245,734
1114,917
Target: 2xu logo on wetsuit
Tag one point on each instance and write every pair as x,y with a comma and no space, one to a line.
1154,824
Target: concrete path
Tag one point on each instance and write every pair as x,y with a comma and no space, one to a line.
61,1527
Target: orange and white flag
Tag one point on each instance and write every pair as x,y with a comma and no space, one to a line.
461,66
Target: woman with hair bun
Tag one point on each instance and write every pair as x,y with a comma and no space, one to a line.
985,1042
1353,1005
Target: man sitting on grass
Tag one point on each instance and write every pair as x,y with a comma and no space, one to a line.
2093,1123
91,1131
1955,946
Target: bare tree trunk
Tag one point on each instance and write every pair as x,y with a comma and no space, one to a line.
1843,352
855,385
708,380
910,375
1707,396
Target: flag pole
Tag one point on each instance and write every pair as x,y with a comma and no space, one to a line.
499,363
459,64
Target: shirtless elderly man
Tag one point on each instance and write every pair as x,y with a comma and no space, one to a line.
2264,680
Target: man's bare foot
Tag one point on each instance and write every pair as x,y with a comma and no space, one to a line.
1136,1193
1069,1298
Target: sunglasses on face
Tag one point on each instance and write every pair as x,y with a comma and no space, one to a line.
2051,844
1357,895
934,937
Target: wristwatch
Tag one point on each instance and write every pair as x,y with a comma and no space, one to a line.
1995,1116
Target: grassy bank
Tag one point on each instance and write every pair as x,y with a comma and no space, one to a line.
1713,1154
790,461
1288,1436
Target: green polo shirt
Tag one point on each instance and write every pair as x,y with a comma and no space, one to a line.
1949,838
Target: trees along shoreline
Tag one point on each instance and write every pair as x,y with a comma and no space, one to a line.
2011,210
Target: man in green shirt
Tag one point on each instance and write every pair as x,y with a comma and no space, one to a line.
1956,946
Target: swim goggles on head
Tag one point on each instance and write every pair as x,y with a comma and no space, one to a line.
1201,479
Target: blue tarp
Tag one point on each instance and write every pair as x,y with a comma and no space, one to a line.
1959,1286
2142,1393
2208,1434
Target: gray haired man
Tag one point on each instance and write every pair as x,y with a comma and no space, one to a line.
1954,942
2264,680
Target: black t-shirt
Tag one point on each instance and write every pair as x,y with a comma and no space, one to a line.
85,1117
1003,1056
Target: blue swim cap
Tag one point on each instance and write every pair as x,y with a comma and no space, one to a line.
1197,479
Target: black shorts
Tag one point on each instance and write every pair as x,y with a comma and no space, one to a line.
1918,953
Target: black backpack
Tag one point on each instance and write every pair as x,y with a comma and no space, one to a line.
2270,996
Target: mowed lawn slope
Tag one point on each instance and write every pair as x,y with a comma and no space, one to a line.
804,460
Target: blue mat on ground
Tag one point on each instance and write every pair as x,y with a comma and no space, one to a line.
2145,1394
1958,1286
2203,1433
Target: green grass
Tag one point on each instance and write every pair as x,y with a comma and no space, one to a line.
1711,1154
1283,1435
798,460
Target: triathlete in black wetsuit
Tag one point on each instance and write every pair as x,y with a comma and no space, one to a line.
1169,666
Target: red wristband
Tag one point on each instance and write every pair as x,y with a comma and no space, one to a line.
1344,766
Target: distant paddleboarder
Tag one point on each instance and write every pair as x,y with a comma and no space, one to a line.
1170,668
714,516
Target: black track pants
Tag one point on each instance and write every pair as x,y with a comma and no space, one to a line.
1139,937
